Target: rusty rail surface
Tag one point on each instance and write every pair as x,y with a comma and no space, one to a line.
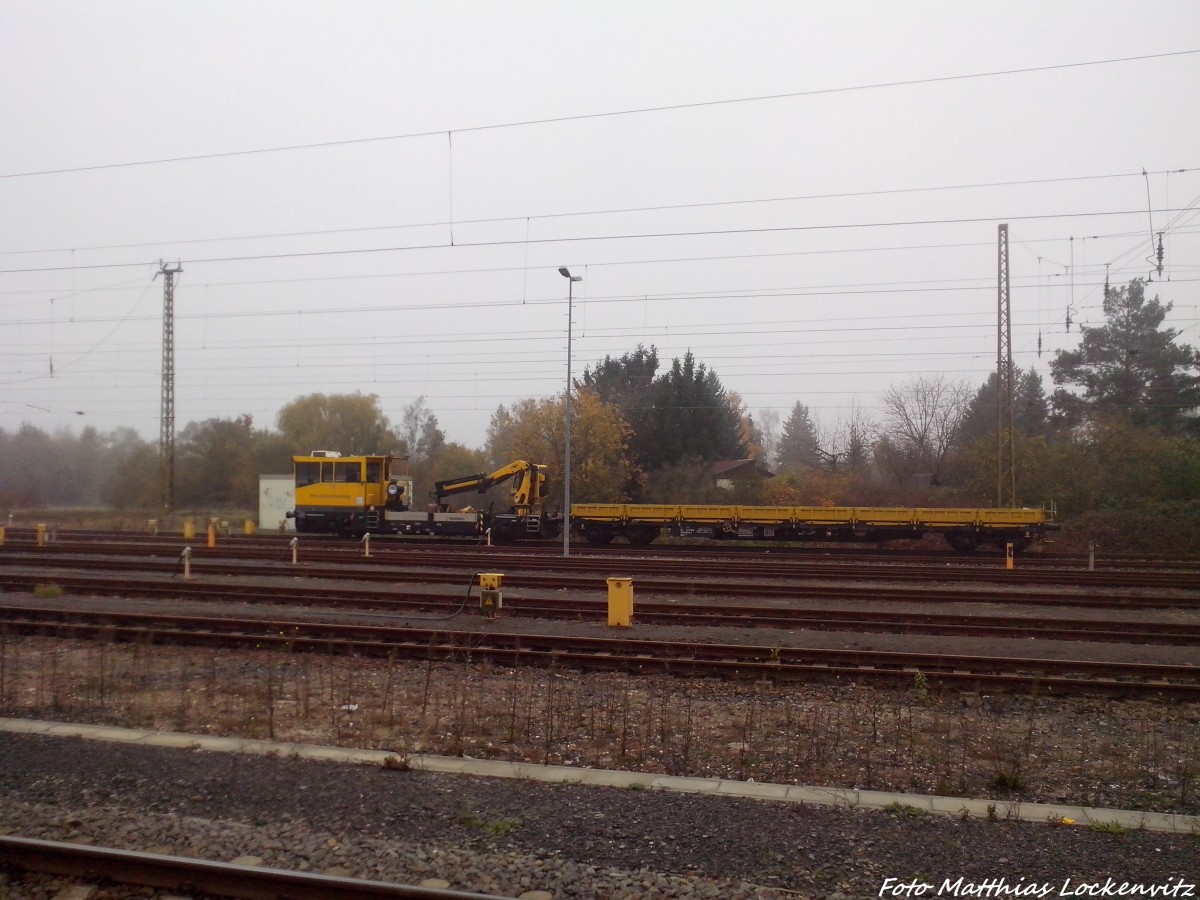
409,600
690,580
815,553
667,560
222,879
967,672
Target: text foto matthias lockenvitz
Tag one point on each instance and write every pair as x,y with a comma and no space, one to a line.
1006,887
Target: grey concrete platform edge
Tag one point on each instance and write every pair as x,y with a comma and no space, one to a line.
787,793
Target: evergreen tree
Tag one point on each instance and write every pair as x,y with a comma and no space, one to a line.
1031,409
693,418
628,384
1130,367
683,414
798,443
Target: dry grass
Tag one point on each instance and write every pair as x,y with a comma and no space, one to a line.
1140,755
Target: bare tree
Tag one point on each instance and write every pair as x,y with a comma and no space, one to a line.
768,429
921,419
846,444
857,431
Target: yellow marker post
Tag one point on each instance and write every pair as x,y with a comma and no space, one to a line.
1,535
620,602
1008,556
212,535
248,527
41,535
189,529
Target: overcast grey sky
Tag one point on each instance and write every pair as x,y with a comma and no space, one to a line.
377,196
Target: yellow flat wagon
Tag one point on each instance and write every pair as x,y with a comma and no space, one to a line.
963,528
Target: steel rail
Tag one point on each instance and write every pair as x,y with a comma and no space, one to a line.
806,552
713,565
194,875
695,585
418,602
645,656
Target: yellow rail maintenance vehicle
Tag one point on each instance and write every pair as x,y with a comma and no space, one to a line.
338,494
355,495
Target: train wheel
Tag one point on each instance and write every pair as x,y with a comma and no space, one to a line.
641,535
964,543
598,534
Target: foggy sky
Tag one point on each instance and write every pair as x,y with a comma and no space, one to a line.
376,197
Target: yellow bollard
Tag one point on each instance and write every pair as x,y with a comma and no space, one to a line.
1008,556
189,529
248,527
41,536
1,535
620,602
212,535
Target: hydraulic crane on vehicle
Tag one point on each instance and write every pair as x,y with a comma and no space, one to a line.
526,517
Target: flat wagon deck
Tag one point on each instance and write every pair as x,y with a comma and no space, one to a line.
963,528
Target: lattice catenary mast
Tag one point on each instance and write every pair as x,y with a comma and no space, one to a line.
166,435
1006,470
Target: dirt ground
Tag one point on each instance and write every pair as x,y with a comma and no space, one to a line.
1095,752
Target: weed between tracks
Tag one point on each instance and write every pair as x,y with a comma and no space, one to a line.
1141,755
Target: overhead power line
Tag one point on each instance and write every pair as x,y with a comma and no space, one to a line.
702,104
481,306
716,232
601,212
494,270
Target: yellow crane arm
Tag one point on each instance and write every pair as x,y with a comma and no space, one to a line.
526,489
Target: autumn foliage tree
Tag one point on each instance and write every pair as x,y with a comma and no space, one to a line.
349,423
215,464
535,430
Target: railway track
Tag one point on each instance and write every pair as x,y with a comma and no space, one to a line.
417,602
951,670
982,559
688,582
128,867
765,566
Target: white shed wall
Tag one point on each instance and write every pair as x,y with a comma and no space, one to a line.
276,497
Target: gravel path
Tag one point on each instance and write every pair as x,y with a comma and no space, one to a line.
511,837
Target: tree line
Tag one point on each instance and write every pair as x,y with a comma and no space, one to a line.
1115,447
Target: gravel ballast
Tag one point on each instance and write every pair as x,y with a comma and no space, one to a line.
512,837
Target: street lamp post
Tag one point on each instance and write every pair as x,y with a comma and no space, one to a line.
571,279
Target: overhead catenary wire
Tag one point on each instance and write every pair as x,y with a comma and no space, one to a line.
579,117
527,217
574,239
